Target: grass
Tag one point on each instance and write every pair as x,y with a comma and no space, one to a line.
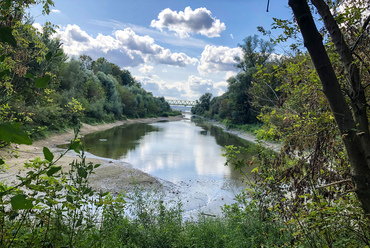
154,224
56,212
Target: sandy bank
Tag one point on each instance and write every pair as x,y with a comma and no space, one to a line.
111,176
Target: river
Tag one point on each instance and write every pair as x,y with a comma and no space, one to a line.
187,153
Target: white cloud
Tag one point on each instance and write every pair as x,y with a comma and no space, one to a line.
38,27
161,88
146,69
56,11
159,36
132,41
174,59
199,21
215,59
198,84
230,74
220,85
149,84
190,89
125,48
275,56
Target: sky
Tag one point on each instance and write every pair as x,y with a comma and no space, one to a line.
179,49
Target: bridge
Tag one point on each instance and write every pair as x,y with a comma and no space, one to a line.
182,102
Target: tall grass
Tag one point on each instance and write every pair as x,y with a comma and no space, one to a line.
65,212
154,224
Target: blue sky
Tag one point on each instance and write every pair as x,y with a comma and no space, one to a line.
179,49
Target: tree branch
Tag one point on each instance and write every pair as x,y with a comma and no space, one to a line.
335,183
339,42
362,34
357,147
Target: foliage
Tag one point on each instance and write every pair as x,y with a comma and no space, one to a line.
39,87
50,206
155,224
236,104
53,207
316,216
308,183
203,105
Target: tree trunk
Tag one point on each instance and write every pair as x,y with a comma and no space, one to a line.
356,141
356,91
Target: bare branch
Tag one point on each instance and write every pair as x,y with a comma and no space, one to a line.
362,34
335,183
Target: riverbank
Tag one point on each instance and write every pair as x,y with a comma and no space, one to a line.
243,135
197,196
246,136
111,176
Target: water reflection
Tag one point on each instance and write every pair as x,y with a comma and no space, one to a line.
173,151
117,142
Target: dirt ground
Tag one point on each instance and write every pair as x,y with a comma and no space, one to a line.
112,175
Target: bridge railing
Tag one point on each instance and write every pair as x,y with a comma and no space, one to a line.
182,102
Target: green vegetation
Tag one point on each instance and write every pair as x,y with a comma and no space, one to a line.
61,210
247,128
313,193
235,106
48,92
317,180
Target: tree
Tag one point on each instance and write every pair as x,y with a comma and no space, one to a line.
256,52
202,105
85,61
351,116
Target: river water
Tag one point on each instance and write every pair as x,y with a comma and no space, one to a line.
187,153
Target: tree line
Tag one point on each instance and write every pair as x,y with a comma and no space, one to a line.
314,192
46,91
237,105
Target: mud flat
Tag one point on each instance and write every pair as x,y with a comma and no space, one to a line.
197,196
112,175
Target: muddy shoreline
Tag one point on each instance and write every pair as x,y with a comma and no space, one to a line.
112,175
197,196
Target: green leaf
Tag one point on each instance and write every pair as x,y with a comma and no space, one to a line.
105,194
82,172
20,202
69,198
59,54
74,145
79,222
29,75
53,170
87,191
7,4
2,162
3,73
48,56
47,154
2,58
42,82
12,133
7,36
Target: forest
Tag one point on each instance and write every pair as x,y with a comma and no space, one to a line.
313,101
47,91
